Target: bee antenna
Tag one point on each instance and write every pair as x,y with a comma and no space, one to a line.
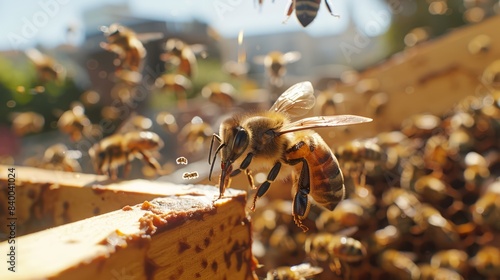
214,136
213,161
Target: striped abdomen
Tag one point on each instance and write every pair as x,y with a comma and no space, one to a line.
327,181
306,10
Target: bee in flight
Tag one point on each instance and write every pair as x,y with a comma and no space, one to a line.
269,140
306,10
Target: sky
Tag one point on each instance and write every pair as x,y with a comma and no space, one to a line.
30,22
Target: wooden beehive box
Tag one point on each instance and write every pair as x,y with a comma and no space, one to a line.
90,228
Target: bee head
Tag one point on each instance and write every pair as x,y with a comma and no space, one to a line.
234,142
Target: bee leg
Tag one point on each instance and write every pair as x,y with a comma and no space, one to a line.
151,161
244,165
289,11
250,178
126,168
265,186
330,9
300,201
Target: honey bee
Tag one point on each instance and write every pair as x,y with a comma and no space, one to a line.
437,227
124,42
195,135
486,210
167,121
270,140
58,157
403,210
348,213
27,122
296,272
275,63
177,83
487,261
383,238
306,10
73,122
46,67
182,55
336,249
221,94
429,272
453,259
399,264
120,149
359,157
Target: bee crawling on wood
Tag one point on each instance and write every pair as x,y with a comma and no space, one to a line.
269,140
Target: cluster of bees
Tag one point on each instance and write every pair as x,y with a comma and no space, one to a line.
421,203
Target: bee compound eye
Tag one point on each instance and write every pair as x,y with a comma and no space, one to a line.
240,142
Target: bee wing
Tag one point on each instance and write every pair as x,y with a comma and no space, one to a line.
259,59
35,55
291,57
198,48
323,121
150,36
295,101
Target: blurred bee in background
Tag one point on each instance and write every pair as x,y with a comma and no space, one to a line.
271,140
127,45
454,259
438,229
275,63
487,261
235,68
383,238
403,210
348,213
399,264
57,157
27,122
136,122
74,122
358,157
195,136
337,249
221,94
130,141
297,272
306,10
182,56
177,83
47,68
120,149
167,121
486,210
429,272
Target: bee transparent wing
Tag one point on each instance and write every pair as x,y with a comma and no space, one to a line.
295,101
323,121
259,59
150,36
291,57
